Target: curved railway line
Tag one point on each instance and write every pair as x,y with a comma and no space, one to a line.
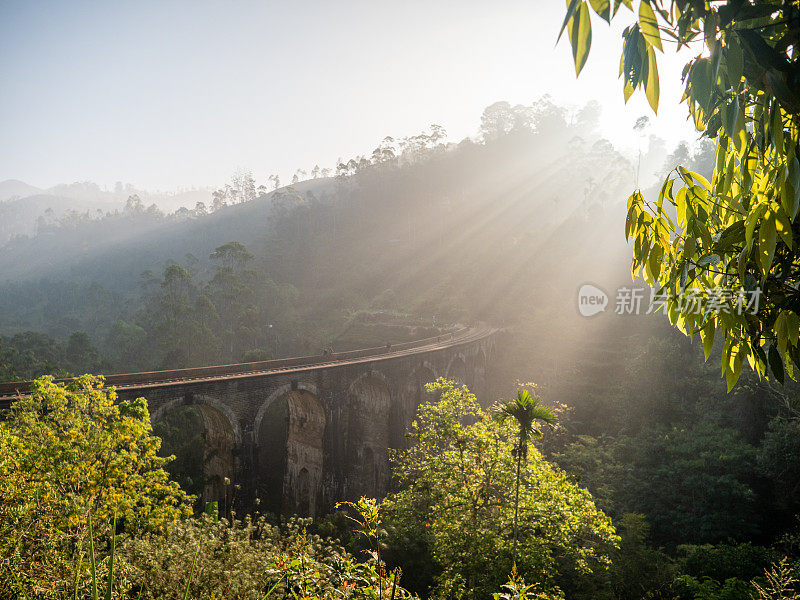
134,381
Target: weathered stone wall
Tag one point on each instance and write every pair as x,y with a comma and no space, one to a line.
301,441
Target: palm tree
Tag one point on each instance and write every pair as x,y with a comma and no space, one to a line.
527,411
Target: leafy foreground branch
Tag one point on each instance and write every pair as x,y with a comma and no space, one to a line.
717,241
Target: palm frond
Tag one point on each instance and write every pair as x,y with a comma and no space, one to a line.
527,411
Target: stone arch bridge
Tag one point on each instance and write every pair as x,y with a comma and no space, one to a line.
301,434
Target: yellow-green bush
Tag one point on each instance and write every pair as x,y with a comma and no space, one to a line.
67,452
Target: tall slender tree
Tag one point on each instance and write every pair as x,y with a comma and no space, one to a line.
527,411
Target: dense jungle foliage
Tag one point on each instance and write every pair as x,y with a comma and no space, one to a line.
86,504
83,492
700,485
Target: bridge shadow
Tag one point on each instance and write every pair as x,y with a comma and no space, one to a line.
200,431
289,453
368,408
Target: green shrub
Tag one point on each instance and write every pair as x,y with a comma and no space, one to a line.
692,588
244,560
727,561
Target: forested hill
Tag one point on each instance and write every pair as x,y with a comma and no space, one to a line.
115,249
423,229
26,210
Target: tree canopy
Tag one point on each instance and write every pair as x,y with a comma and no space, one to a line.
70,452
457,501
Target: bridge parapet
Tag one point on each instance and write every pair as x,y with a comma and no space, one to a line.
10,390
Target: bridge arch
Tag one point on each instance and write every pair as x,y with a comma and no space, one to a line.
479,373
428,370
457,368
222,438
490,348
422,374
369,404
371,374
288,433
262,410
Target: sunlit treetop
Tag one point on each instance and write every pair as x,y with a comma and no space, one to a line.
736,235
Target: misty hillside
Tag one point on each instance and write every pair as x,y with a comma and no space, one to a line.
11,188
26,210
499,230
134,240
540,178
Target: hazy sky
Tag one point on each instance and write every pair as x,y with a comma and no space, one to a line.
169,94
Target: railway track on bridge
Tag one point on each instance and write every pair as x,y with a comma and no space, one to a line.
135,381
